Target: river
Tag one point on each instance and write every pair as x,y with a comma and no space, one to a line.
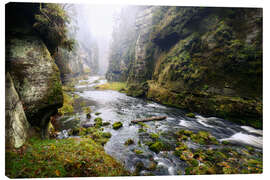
115,106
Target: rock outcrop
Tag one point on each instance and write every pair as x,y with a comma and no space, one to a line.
35,75
77,62
206,60
36,78
17,125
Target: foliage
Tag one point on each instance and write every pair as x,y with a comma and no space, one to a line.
67,105
51,24
80,157
116,86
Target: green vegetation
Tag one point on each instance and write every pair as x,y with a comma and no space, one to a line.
129,142
98,122
73,157
224,160
97,113
67,104
137,151
116,86
191,115
117,125
157,147
154,136
50,23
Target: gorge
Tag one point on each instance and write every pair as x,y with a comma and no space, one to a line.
72,93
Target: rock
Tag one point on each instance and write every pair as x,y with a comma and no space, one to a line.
87,125
129,142
156,147
88,115
36,79
17,126
117,125
97,113
191,115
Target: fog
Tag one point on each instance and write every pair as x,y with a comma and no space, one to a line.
94,24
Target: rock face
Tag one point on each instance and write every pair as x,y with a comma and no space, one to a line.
17,125
122,50
36,78
77,62
206,60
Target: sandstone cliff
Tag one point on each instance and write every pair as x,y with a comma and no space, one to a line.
206,60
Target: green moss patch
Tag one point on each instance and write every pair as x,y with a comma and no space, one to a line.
67,105
117,125
129,142
80,157
117,86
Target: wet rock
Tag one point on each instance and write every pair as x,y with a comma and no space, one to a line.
88,115
129,142
191,115
87,125
117,125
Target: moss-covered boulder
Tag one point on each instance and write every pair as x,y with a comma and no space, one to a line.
117,125
17,126
36,78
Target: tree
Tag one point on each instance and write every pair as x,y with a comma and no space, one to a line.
51,23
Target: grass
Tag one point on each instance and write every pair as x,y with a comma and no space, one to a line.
116,86
67,104
80,157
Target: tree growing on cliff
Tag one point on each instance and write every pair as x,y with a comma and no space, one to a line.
51,23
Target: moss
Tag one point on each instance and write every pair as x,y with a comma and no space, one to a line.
129,142
117,125
106,123
107,134
223,160
142,130
157,147
154,136
67,105
61,158
137,151
116,86
97,113
98,122
191,115
87,110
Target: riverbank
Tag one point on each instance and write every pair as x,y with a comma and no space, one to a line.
72,157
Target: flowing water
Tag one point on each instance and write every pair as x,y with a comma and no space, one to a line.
115,106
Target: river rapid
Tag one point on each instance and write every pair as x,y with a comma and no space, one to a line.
115,106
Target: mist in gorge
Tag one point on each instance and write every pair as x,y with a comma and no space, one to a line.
93,26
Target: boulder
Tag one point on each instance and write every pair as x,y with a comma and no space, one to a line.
17,125
36,78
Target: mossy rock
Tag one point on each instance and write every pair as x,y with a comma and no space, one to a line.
97,113
152,166
157,147
137,151
106,134
98,122
117,125
142,130
191,115
129,142
106,123
154,135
